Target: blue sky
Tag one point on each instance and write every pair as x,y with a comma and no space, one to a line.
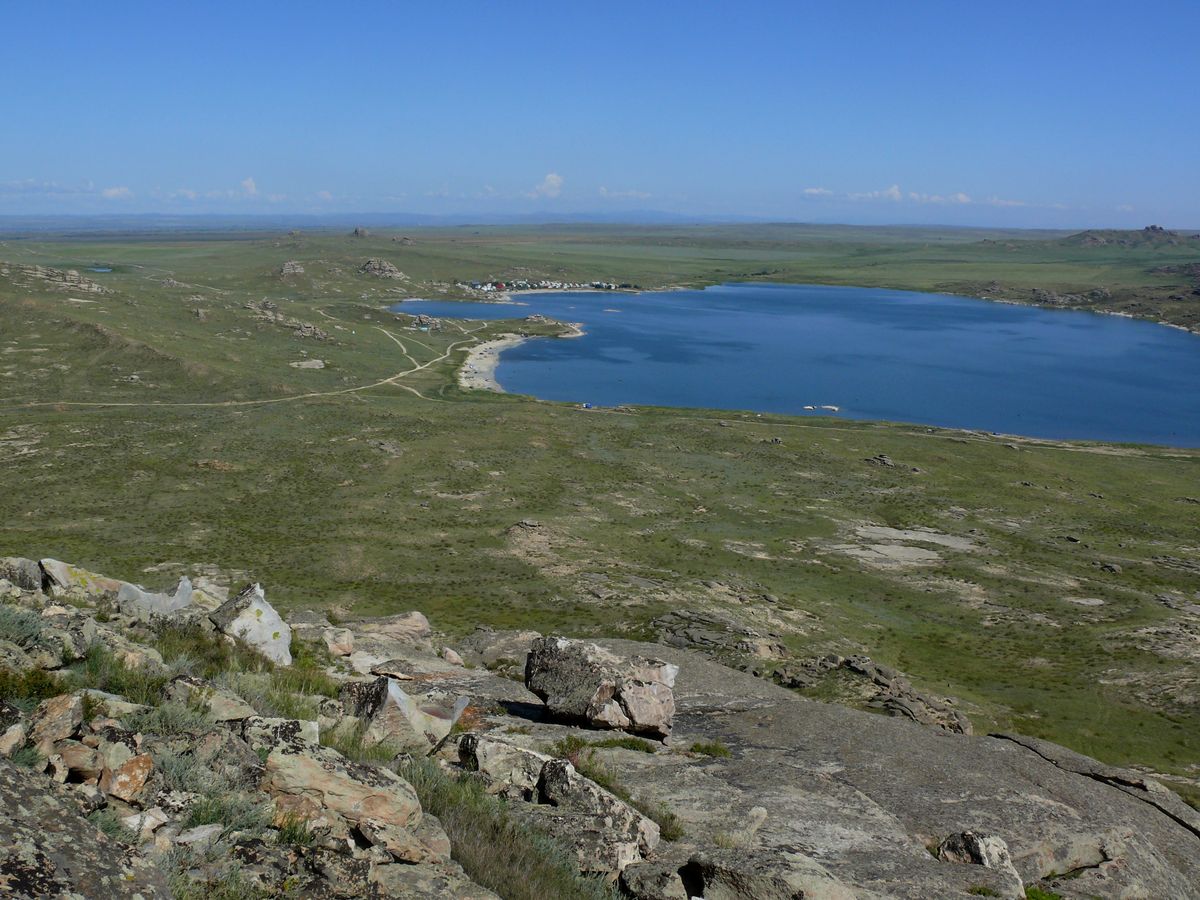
1057,113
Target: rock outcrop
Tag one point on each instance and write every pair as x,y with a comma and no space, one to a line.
380,268
585,682
213,776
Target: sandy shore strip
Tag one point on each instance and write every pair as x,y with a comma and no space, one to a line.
478,371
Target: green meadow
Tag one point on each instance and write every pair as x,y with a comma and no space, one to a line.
161,427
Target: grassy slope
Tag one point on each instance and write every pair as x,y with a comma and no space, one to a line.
383,500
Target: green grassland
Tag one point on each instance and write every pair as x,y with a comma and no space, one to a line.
161,427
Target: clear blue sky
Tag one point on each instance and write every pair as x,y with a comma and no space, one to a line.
1057,112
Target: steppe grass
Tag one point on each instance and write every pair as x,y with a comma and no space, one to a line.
380,501
496,850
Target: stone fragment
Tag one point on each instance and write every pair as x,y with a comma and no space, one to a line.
145,823
985,850
56,719
507,770
201,836
127,781
452,657
320,785
252,620
584,681
339,641
13,739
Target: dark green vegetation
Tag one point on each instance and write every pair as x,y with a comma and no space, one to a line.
160,428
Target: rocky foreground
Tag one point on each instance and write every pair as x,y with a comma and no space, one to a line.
196,744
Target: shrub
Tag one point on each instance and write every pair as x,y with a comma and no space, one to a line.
170,718
294,831
207,654
25,690
28,757
21,626
101,671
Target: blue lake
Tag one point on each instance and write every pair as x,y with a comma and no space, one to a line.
875,354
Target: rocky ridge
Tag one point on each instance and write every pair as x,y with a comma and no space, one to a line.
217,741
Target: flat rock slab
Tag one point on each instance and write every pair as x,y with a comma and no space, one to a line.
865,795
48,849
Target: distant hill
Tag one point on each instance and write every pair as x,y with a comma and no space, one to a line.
1150,236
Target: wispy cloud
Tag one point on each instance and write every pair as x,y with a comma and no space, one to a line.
25,186
116,193
550,186
325,195
1000,201
249,188
818,192
892,193
183,194
959,197
624,195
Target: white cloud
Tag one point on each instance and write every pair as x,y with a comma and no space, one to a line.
959,197
630,195
1124,207
893,194
324,195
818,192
276,198
1000,201
249,188
185,193
550,186
116,193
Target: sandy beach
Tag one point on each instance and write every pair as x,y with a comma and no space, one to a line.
478,371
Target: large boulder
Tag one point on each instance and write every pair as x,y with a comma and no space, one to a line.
252,620
61,577
350,801
583,681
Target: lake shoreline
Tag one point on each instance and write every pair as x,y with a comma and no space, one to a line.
478,370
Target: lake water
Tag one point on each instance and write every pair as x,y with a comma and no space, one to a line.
875,354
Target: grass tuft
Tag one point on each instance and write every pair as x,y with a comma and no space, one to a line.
517,861
711,748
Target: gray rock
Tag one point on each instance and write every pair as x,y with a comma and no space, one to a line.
584,681
252,620
24,573
507,770
136,600
776,875
48,849
984,850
